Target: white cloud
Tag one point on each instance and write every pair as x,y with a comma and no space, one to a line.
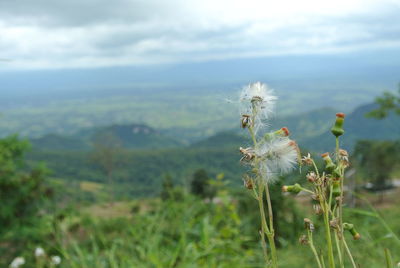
57,34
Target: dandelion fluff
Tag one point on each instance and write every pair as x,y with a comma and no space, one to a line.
39,252
258,100
17,262
56,260
278,156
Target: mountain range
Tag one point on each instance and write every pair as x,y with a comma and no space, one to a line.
310,129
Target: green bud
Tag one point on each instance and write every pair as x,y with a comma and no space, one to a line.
352,230
337,128
329,165
336,189
292,188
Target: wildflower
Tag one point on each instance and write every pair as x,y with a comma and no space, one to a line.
248,154
303,240
334,223
277,156
17,262
317,209
258,101
344,156
39,252
311,177
308,224
248,182
329,165
246,121
307,160
55,260
337,128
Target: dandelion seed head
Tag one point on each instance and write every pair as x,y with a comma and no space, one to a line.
257,99
17,262
39,252
56,260
278,156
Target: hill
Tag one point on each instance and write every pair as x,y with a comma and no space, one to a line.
132,136
357,127
312,129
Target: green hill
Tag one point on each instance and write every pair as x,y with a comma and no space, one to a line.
133,136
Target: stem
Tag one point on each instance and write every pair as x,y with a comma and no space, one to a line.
338,249
311,243
264,227
271,235
340,210
388,257
349,253
328,237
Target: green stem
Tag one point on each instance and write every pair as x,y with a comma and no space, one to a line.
388,257
340,208
264,227
271,235
311,243
328,236
338,249
349,253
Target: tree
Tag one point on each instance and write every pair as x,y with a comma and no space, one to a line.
377,160
167,187
107,154
23,195
388,102
200,185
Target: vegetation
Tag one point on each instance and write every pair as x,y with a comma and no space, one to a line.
105,201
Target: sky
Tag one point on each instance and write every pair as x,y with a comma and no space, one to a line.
49,34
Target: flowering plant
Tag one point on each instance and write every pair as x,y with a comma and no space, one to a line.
273,154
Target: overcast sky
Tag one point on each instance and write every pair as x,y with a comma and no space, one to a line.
37,34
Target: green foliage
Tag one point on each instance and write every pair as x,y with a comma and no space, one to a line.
387,102
200,185
22,197
377,160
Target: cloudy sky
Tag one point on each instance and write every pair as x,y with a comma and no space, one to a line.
47,34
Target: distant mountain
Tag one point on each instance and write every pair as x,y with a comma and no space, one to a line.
133,136
312,130
55,142
357,127
222,139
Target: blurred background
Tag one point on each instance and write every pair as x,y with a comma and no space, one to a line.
120,128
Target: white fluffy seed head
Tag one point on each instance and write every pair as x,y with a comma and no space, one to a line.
39,252
278,156
257,99
17,262
56,260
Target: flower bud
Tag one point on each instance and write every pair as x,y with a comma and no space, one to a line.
296,188
308,224
245,121
352,230
248,183
283,132
336,189
303,240
337,128
329,165
311,177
